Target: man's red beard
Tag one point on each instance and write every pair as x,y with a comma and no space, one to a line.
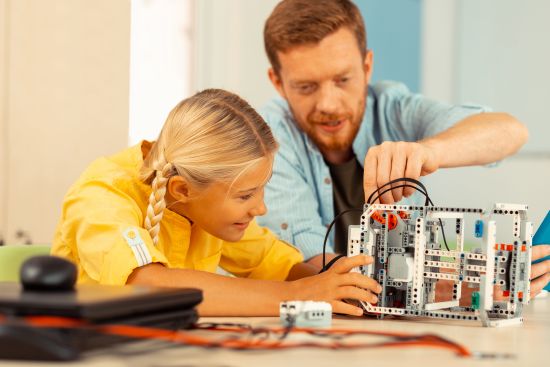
337,143
340,141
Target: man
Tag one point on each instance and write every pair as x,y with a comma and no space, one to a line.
341,138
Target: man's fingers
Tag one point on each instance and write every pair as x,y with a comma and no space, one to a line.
344,265
369,174
398,164
540,269
383,175
539,252
539,283
414,166
346,308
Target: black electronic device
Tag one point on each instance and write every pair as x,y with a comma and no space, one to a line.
45,273
169,308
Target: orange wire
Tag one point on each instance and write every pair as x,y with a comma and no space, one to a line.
432,342
178,336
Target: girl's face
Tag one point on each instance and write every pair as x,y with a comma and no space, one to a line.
224,209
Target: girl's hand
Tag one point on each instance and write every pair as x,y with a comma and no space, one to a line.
338,284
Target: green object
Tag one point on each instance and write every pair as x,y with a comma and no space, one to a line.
12,256
475,300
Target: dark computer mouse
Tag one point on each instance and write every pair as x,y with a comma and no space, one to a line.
48,273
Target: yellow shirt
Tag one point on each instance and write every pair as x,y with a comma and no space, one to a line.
101,230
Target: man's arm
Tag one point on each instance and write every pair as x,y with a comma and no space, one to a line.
478,139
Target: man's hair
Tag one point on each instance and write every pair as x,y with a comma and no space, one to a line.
299,22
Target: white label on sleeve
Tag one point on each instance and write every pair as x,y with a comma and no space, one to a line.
134,240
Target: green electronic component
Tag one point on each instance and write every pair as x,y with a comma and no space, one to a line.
475,300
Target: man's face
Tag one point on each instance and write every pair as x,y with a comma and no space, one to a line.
325,86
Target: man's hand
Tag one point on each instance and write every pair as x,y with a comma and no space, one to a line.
391,160
540,273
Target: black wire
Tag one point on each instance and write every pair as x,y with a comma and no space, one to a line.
428,200
330,227
337,337
425,193
420,188
331,262
406,179
319,333
291,322
253,331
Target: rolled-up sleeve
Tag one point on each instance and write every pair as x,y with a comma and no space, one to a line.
412,117
102,228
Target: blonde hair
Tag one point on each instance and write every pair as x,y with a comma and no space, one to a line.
213,136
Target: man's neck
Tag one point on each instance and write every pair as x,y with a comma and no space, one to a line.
338,156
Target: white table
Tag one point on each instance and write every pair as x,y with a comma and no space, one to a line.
528,343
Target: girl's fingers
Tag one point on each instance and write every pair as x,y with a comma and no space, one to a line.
361,281
344,265
351,292
346,308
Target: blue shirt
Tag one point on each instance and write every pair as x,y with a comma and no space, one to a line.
299,196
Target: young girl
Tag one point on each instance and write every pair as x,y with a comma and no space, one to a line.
169,213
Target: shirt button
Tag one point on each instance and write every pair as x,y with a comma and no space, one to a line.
284,226
327,180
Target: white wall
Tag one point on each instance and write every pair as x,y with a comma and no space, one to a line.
438,32
229,50
503,60
65,101
160,63
77,82
492,52
3,115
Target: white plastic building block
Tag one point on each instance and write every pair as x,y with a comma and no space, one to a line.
305,313
409,260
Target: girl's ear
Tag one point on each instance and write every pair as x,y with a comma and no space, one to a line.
178,189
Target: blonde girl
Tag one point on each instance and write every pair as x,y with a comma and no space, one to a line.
169,213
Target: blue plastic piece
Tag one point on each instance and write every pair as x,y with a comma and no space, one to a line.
543,237
479,228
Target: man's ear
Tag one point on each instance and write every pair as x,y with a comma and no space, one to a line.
367,66
178,189
276,81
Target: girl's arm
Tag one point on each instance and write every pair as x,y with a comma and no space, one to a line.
227,296
302,270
